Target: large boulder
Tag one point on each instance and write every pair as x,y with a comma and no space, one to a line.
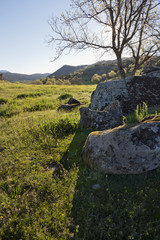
129,149
129,92
111,117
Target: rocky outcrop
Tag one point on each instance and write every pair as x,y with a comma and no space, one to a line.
100,120
129,92
124,150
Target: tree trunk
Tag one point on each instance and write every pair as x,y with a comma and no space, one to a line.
120,66
134,71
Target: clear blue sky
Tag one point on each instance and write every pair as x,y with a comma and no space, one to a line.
24,30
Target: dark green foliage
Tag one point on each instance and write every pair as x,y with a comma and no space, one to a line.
3,100
63,127
64,96
9,109
40,106
25,95
6,113
59,128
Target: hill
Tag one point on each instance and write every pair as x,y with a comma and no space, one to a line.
98,72
67,69
17,77
83,74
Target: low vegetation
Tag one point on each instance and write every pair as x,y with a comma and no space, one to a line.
46,192
140,113
25,95
99,72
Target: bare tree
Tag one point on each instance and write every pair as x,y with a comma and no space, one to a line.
120,26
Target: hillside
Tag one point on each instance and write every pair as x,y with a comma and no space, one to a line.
17,77
96,73
83,74
67,69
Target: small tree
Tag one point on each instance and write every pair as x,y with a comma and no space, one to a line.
96,78
110,25
112,74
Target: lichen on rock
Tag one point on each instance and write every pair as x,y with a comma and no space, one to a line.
129,149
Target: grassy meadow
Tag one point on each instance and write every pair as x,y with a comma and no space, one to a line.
46,192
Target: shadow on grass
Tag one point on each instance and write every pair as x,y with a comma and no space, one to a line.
107,206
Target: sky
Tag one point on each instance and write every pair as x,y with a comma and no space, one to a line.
24,31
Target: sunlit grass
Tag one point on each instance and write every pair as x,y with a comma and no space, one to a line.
46,192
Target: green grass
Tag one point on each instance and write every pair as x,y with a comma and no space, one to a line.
45,189
140,112
64,96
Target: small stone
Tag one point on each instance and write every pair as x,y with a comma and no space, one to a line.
73,101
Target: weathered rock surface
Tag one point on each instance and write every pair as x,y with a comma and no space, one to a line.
124,150
129,92
73,101
155,73
111,117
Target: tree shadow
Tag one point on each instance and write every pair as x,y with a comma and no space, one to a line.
107,206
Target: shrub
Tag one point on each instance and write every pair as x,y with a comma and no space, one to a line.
37,82
59,81
96,78
112,74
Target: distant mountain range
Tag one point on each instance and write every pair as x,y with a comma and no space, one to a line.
17,77
81,74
